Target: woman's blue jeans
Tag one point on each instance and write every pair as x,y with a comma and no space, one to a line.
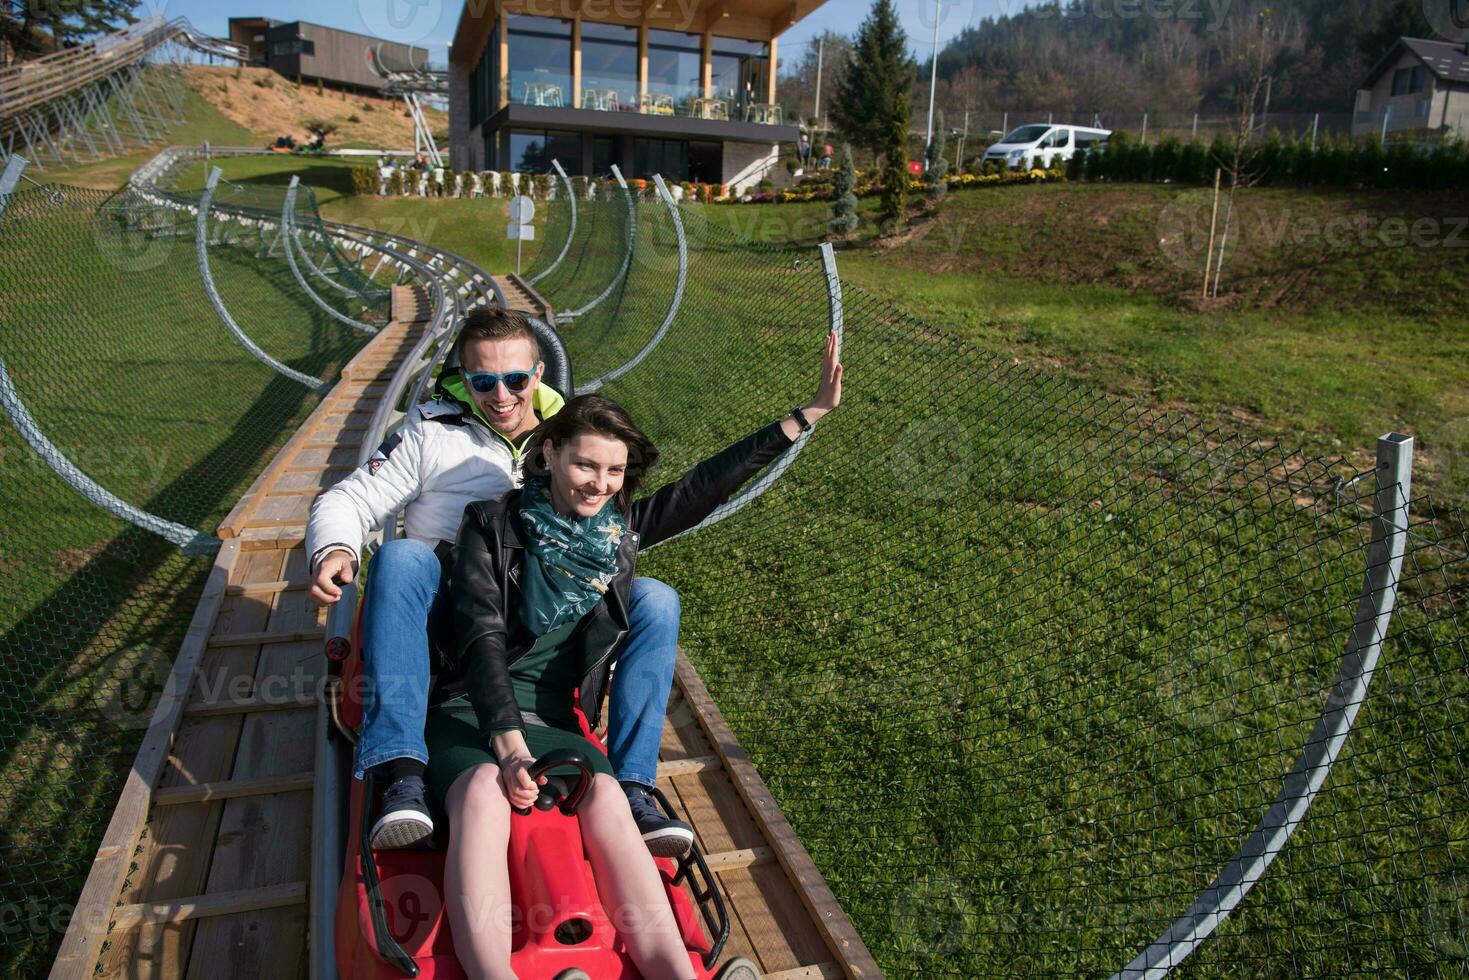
407,599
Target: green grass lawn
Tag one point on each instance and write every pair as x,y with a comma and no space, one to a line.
1023,664
127,369
1327,377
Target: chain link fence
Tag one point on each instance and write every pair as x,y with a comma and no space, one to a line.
1032,670
113,350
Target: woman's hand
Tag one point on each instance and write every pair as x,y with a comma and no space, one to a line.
515,762
828,393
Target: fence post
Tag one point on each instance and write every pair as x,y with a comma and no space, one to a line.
10,177
1145,129
678,291
1315,122
570,232
1386,115
1196,127
1385,552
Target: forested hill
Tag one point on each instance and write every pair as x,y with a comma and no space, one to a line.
1173,55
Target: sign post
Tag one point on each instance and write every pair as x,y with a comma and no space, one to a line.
522,211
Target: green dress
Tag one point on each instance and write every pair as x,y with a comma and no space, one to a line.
545,681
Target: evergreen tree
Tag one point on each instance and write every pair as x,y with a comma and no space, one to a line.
895,172
934,162
876,81
844,208
67,22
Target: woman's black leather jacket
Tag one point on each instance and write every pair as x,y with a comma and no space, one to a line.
486,568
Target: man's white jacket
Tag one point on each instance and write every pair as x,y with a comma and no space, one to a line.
444,458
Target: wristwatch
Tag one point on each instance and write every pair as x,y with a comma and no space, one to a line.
801,419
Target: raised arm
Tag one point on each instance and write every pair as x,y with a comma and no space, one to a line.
694,496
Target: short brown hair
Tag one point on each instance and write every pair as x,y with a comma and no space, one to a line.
493,323
599,415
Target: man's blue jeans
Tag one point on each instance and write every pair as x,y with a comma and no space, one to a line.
407,599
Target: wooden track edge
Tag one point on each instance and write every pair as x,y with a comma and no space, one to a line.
831,920
234,522
77,957
547,313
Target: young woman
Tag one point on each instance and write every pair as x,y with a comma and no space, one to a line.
541,583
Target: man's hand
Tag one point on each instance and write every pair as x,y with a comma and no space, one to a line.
336,567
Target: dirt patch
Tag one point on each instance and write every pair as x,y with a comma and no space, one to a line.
269,104
1288,249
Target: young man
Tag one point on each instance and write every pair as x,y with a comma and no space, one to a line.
460,448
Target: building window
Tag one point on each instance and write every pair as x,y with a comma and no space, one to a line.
285,49
307,48
706,162
666,157
531,151
484,82
604,155
739,71
1408,80
609,64
675,67
540,60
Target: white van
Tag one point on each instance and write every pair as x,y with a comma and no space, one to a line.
1019,148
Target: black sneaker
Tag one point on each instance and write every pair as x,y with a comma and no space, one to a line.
664,837
404,820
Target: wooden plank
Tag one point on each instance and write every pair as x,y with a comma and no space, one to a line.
831,921
79,947
266,840
267,636
246,706
200,906
226,789
747,857
173,860
265,588
819,971
685,767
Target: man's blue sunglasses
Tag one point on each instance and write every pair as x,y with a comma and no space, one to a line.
484,382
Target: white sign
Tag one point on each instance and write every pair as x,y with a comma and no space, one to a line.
522,209
521,233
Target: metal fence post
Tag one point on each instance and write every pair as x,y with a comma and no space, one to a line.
570,232
678,291
1385,552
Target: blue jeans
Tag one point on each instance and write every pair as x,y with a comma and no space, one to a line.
407,600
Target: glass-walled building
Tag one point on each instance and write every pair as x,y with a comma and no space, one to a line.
686,90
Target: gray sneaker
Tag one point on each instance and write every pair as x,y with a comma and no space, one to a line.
403,820
665,837
738,968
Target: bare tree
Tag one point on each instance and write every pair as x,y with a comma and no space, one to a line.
1251,50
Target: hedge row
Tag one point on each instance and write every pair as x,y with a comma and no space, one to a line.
1334,162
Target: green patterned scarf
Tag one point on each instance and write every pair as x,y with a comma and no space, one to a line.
569,561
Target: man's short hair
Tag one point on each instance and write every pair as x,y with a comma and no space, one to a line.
493,323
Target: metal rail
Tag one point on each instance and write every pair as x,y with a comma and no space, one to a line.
632,240
1354,675
289,247
570,232
678,291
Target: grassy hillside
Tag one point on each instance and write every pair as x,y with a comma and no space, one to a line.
1323,340
268,105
